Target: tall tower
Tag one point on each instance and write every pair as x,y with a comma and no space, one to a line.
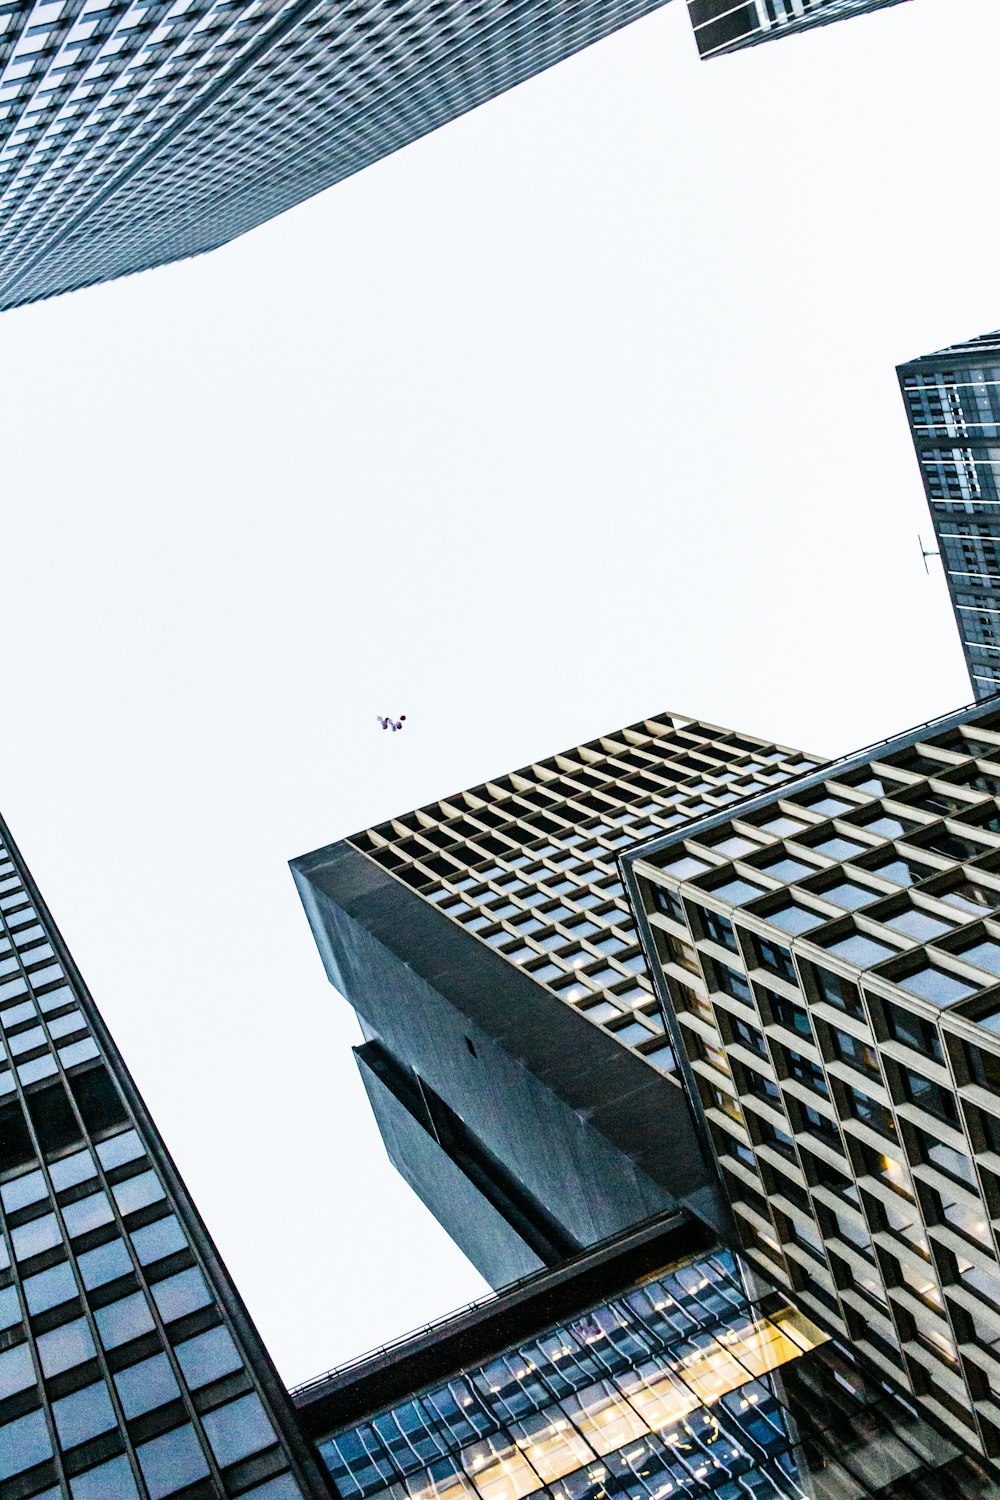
515,1054
133,134
953,406
828,959
129,1367
729,25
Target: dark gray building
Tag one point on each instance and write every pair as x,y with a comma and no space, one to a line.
729,25
516,1059
135,134
129,1367
953,406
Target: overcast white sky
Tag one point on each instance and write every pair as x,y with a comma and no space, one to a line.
582,408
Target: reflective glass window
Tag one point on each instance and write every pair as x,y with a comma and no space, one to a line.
138,1192
65,1346
208,1357
86,1214
49,1288
123,1320
105,1263
17,1371
238,1429
111,1481
83,1415
156,1240
34,1237
146,1385
71,1170
30,1188
24,1443
172,1461
10,1307
181,1294
120,1149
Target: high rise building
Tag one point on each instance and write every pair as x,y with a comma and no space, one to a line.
953,405
728,25
129,1368
828,959
515,1055
651,1367
133,134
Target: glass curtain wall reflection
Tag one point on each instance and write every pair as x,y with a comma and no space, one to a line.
682,1385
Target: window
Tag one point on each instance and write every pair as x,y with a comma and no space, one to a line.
238,1429
984,955
120,1149
86,1214
172,1461
669,903
850,895
144,1386
913,1031
83,1415
930,1096
805,1072
181,1294
49,1288
778,1140
838,992
123,1320
718,929
156,1240
786,1013
17,1371
25,1443
937,985
66,1346
870,1112
738,892
208,1357
112,1479
777,959
749,1036
104,1264
733,983
793,918
71,1170
138,1192
984,1068
953,1163
969,1221
29,1188
862,951
856,1054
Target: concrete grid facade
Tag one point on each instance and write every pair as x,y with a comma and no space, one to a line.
136,132
729,25
953,407
829,958
527,862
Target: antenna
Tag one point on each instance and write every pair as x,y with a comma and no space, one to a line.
925,553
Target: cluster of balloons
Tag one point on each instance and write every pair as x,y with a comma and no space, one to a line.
392,724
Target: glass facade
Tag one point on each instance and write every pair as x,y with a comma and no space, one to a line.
681,1385
953,406
128,1367
727,25
528,862
136,132
838,1009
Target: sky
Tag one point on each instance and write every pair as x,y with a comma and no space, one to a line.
580,409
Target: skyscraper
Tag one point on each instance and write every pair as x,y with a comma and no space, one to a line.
646,1368
515,1054
129,1368
729,25
828,959
953,406
135,134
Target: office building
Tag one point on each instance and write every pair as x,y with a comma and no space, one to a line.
515,1056
136,134
953,406
728,25
643,1369
828,959
129,1368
